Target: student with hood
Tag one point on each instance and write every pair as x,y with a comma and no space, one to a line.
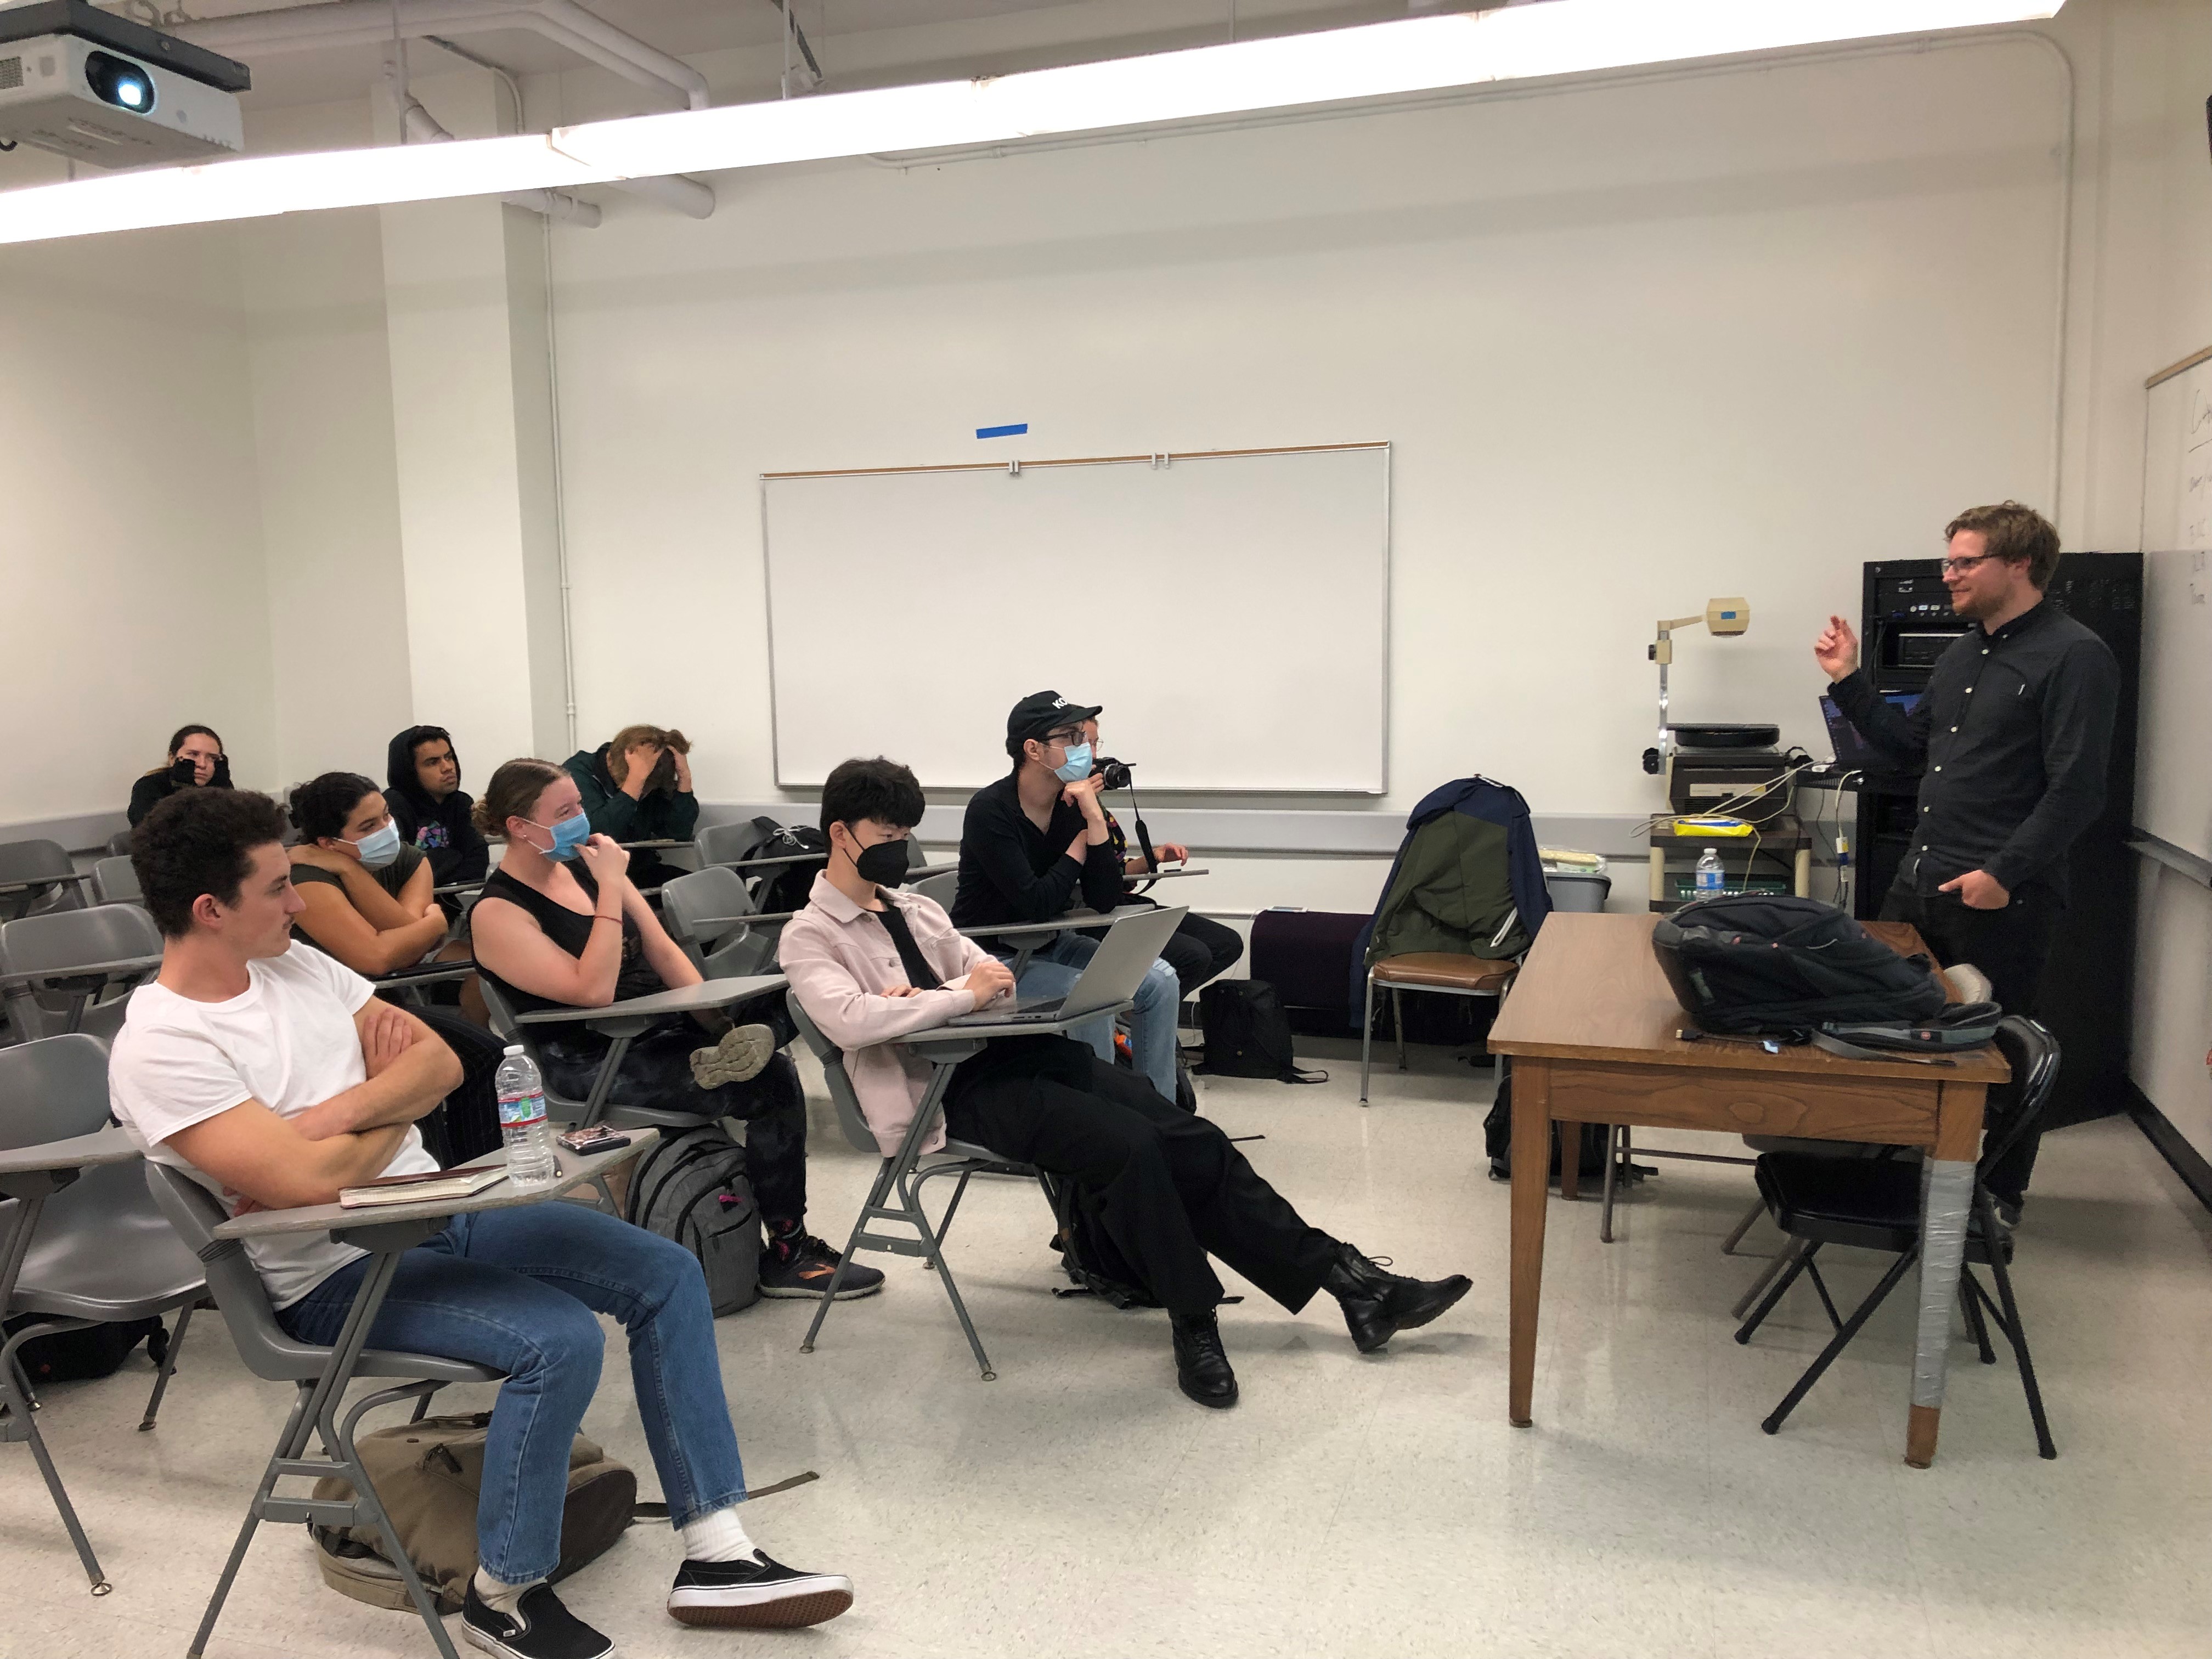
423,780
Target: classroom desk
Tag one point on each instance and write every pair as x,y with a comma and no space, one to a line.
386,1232
1591,1024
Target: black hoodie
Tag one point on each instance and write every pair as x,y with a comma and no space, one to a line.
442,828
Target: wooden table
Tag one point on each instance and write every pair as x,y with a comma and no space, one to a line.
1592,1025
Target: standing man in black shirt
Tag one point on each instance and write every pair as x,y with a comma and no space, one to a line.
1034,840
2012,742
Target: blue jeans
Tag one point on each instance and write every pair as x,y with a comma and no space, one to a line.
517,1290
1052,971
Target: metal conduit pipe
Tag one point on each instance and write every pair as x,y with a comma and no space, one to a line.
371,22
417,126
368,22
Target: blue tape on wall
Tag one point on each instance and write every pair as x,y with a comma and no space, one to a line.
1014,431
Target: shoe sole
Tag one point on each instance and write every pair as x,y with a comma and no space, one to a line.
793,1293
783,1612
738,1063
476,1638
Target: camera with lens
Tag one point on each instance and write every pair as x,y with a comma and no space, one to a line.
1115,772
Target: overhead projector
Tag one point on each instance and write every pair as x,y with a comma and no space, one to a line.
102,89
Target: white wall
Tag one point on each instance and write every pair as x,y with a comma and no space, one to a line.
1724,334
315,351
131,543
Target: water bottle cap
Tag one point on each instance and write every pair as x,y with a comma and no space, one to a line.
513,1047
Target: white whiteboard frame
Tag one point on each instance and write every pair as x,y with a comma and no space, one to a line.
1155,458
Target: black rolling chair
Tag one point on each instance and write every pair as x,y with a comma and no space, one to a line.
1874,1203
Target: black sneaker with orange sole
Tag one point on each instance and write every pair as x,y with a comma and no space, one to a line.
805,1269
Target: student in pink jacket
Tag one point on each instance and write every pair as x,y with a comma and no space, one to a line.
871,965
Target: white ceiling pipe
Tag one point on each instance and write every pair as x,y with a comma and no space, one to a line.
417,126
369,22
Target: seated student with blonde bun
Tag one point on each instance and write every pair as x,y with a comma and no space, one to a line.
196,761
561,924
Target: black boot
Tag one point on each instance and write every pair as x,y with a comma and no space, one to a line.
1377,1305
1202,1362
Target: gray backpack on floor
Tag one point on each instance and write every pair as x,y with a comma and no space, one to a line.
692,1186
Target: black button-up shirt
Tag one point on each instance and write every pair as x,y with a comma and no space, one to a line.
2012,743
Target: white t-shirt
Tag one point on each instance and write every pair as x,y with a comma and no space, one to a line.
288,1041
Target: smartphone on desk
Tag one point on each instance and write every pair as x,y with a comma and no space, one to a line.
584,1142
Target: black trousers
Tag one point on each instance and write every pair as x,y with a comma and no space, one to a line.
465,1125
657,1072
1170,1188
1200,949
2012,947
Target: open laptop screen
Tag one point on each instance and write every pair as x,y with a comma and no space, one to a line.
1852,751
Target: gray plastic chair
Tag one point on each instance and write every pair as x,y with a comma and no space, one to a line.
268,1353
37,876
939,888
115,881
118,844
726,844
73,970
901,1175
78,1246
622,1030
708,913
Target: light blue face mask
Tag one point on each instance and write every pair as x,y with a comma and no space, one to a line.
379,847
568,835
1076,766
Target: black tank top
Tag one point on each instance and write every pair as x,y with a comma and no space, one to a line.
572,933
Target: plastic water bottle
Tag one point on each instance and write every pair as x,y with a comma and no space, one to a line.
1709,881
529,1137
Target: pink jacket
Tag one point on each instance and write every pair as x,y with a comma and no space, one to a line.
840,960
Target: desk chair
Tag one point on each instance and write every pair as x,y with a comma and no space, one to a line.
712,917
1436,972
726,844
610,1022
1874,1203
37,876
942,887
115,881
901,1175
80,1244
74,970
319,1378
118,844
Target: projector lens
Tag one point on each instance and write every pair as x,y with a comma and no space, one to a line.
118,82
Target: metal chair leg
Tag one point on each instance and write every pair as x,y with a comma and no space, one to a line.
287,1447
931,1239
168,1368
1828,1302
1836,1343
11,1397
1398,1022
1367,1038
1970,1295
1795,1265
876,1194
1792,1249
2045,1446
1613,1154
1728,1245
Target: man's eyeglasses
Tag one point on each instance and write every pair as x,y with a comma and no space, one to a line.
1961,566
1063,739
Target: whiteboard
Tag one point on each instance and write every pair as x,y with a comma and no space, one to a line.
1230,610
2174,756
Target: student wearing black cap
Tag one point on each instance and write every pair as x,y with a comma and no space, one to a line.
1035,840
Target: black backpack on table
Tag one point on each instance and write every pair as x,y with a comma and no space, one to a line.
1753,964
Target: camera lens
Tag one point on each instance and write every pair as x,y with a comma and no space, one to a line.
119,81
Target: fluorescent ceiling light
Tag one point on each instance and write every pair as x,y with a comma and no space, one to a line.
1426,54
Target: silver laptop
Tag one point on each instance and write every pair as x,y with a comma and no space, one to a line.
1110,978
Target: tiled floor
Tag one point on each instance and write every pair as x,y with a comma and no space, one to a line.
1079,1505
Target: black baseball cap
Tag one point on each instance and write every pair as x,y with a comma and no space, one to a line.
1045,711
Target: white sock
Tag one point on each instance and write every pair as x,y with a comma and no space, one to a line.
718,1537
498,1596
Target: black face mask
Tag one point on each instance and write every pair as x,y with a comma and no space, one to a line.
884,864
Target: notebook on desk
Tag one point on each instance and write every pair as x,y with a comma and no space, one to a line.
1110,978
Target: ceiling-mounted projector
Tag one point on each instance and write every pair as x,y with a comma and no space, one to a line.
103,89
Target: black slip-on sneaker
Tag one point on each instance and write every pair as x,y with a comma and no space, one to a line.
538,1628
756,1595
807,1271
